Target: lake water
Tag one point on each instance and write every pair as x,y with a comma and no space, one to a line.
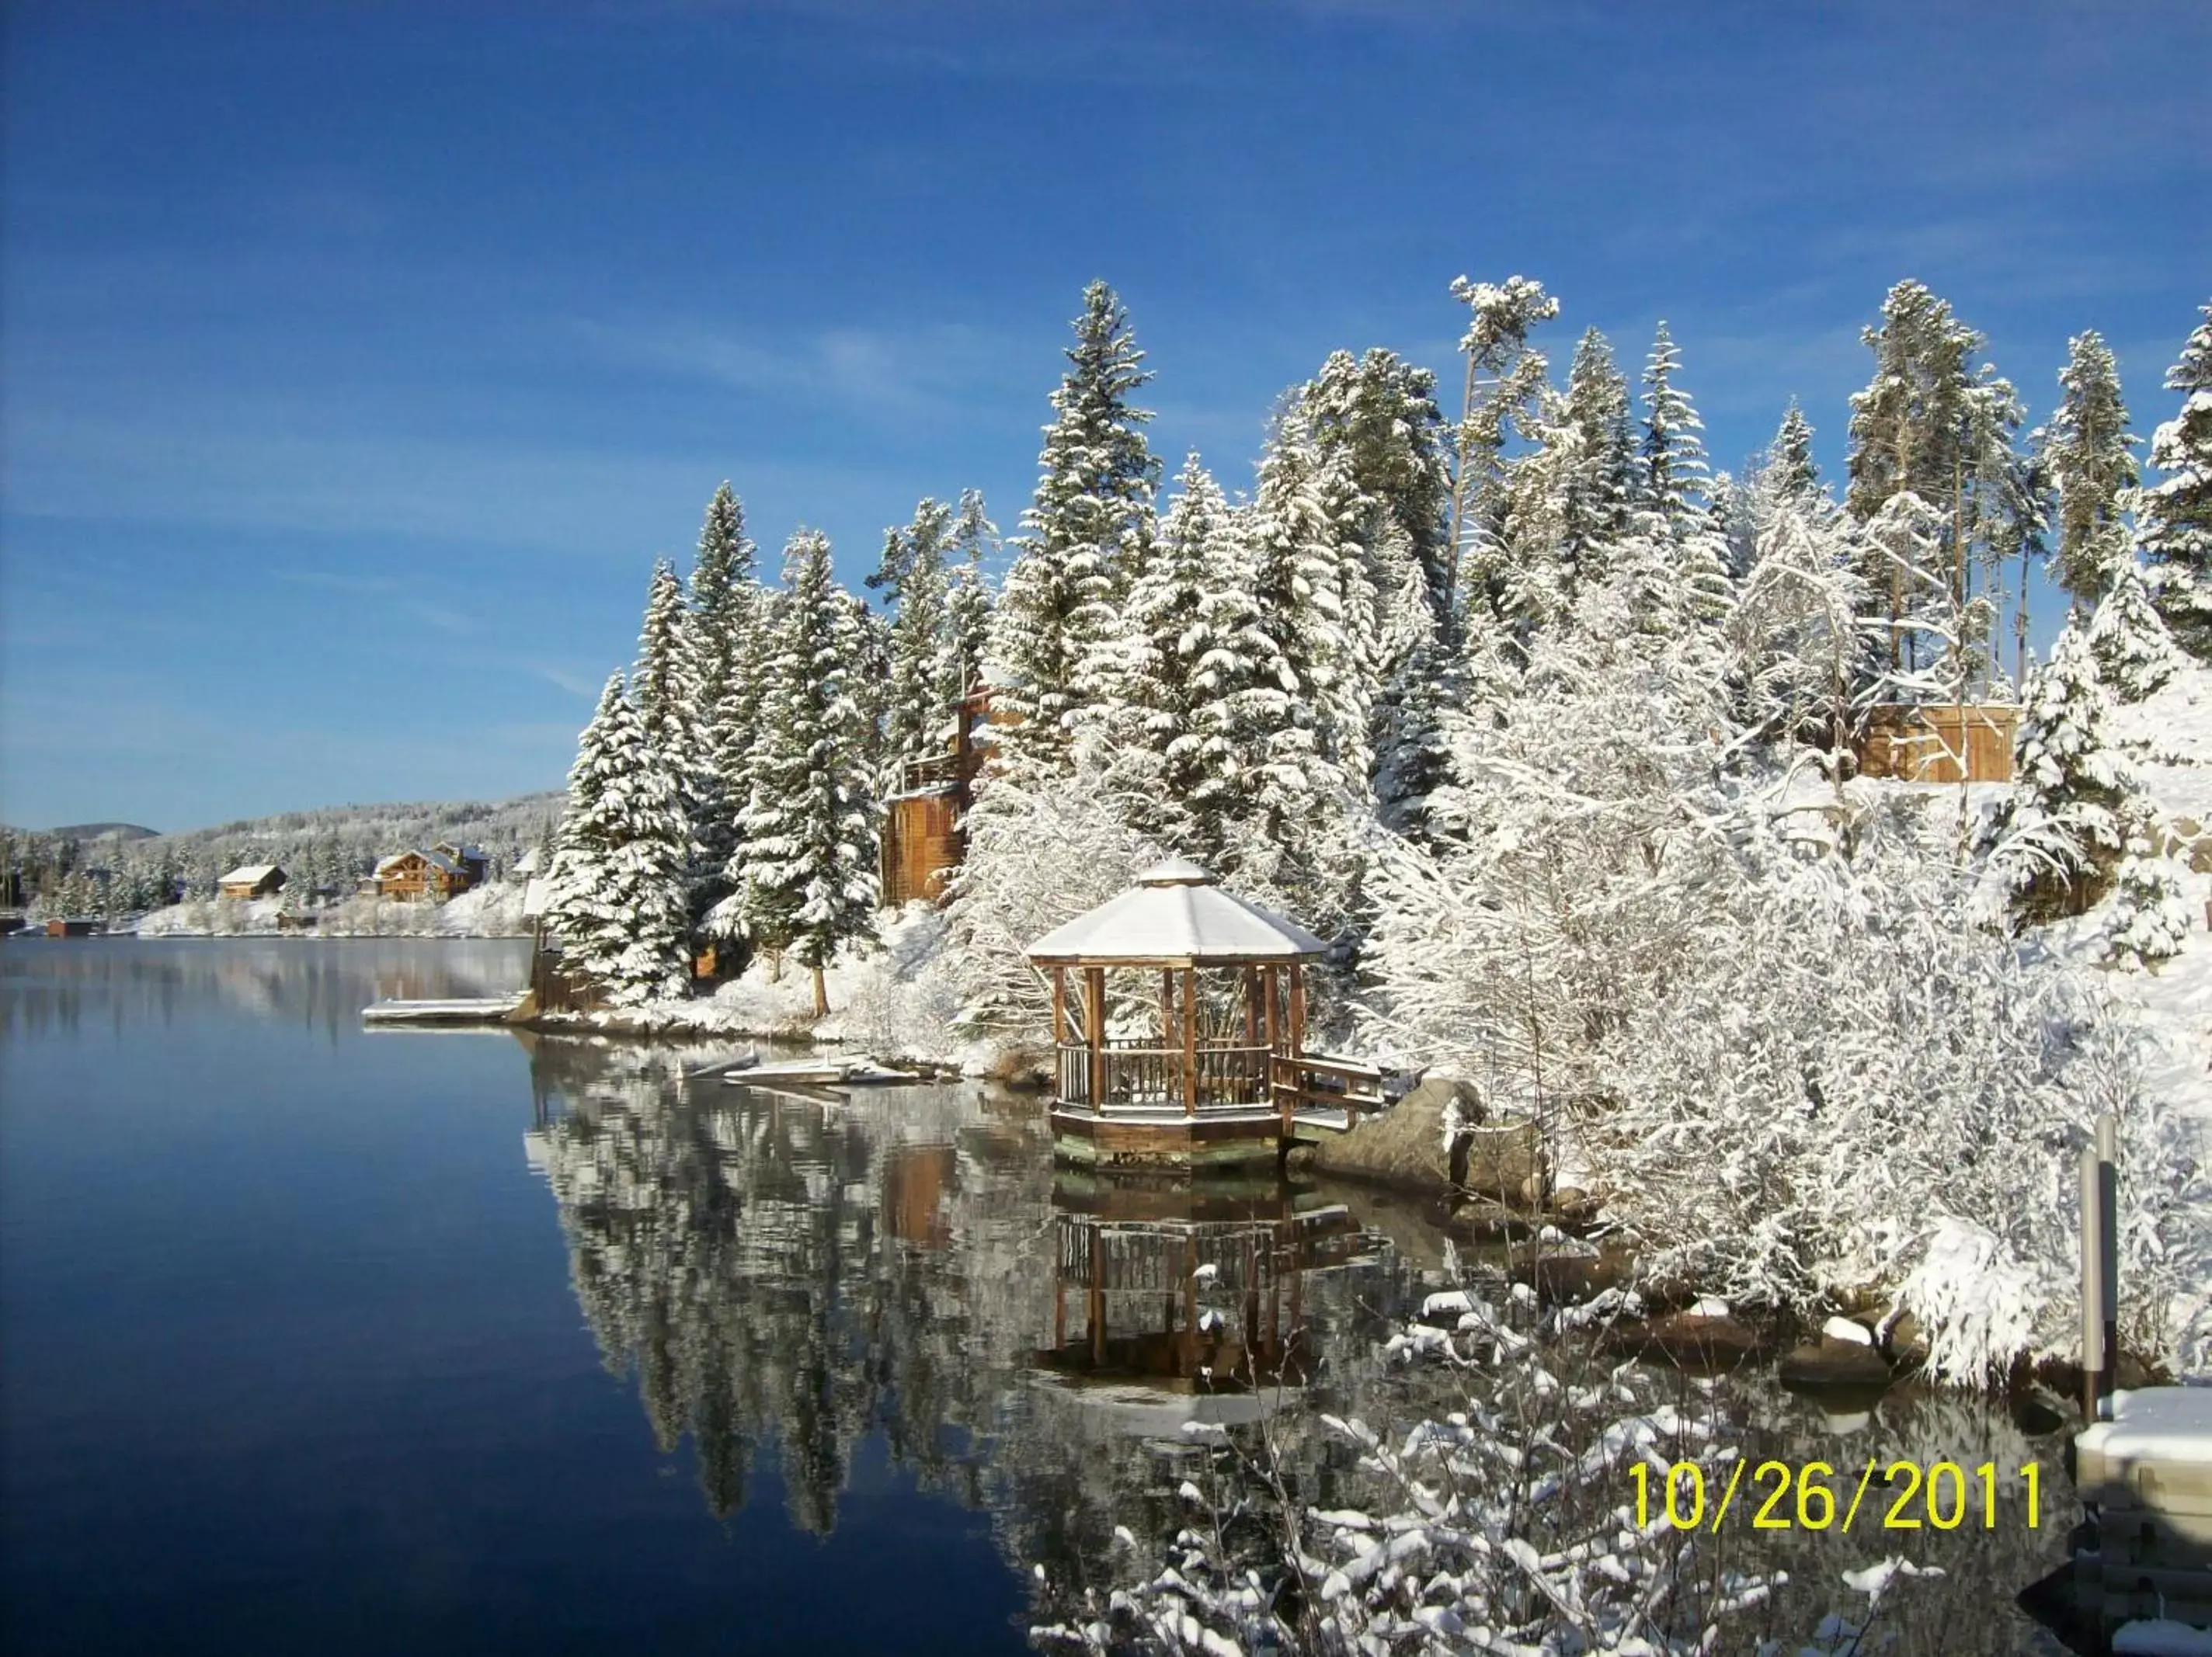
320,1338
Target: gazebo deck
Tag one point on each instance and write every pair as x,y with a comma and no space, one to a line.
1224,1077
1250,1104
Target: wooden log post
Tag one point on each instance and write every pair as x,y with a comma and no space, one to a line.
1269,1003
1190,1041
1095,1034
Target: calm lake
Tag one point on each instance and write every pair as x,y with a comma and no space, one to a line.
317,1338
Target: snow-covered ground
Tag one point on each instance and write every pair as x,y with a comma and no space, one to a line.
489,911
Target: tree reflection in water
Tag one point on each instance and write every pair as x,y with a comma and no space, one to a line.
786,1277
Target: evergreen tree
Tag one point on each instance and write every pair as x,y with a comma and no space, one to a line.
620,872
2174,516
726,602
1674,481
805,875
1930,425
916,711
1200,653
665,690
968,603
2084,450
1376,418
1504,375
2135,653
1314,599
1088,530
1604,486
1789,457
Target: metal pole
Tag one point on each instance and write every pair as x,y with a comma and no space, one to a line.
2093,1281
2108,1248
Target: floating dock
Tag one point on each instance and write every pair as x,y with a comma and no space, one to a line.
482,1010
2145,1480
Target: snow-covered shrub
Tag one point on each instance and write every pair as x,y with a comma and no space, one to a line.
1799,1068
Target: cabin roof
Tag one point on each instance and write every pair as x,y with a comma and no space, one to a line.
250,874
435,859
1176,911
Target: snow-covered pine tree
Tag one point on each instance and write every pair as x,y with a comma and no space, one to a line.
1088,530
2135,653
1310,582
620,871
1789,457
913,573
1673,515
1504,375
1534,579
806,874
1604,487
1377,417
726,602
665,690
1931,425
2084,450
968,602
1198,651
1674,485
2059,839
2173,517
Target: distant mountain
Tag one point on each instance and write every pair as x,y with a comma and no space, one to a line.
105,831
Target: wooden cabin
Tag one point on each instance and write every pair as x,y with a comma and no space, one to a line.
252,880
75,928
472,861
1939,742
924,839
413,876
1179,1022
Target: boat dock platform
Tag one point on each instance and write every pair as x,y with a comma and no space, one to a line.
2145,1480
482,1010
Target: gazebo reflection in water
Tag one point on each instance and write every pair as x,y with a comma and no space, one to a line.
1179,1030
1184,1294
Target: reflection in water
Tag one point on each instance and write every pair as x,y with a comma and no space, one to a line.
786,1277
52,985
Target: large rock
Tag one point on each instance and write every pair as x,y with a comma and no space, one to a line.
1404,1148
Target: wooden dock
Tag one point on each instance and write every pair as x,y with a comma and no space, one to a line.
482,1010
2145,1481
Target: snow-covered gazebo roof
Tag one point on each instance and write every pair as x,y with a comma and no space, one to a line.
1176,913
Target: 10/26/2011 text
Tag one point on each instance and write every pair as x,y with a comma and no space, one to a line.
1775,1496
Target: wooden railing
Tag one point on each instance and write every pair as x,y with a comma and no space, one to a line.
1138,1074
1319,1081
937,771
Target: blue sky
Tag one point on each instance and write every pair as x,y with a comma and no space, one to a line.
356,360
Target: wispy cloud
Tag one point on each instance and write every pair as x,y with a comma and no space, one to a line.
933,369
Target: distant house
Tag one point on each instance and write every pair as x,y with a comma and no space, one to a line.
252,880
75,928
472,859
412,877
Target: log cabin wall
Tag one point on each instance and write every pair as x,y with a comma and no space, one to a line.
1926,743
922,846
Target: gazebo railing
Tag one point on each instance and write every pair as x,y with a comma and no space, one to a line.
1139,1074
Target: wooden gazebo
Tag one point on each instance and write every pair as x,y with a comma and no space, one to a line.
1203,1061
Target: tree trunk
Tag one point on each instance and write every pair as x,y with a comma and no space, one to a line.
821,995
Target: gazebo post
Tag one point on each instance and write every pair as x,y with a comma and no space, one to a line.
1251,1005
1059,1021
1095,1034
1167,1028
1298,1009
1190,1041
1270,1027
